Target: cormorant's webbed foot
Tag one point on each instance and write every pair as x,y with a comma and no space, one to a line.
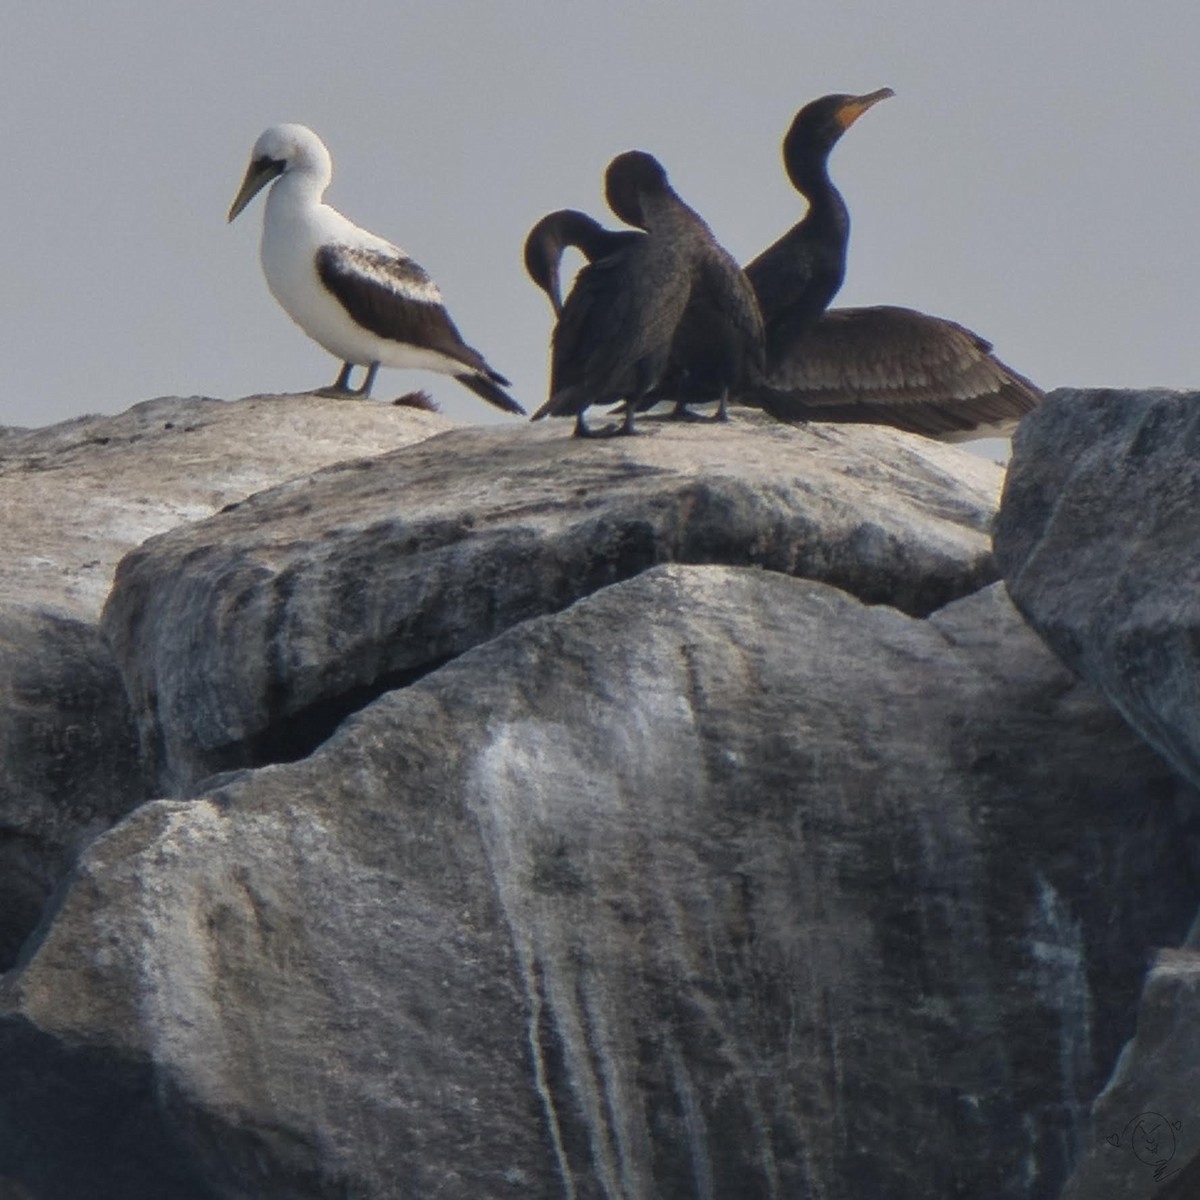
681,412
583,430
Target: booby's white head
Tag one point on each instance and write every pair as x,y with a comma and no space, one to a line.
284,150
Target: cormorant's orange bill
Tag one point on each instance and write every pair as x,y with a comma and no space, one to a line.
855,106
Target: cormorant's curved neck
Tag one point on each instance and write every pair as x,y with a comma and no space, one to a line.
827,216
592,240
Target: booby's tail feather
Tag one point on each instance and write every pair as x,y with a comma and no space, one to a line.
488,388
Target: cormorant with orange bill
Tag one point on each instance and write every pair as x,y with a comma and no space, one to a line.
884,364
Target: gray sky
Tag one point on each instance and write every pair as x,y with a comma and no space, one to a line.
1035,177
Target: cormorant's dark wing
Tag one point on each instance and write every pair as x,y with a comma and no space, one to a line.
718,344
733,295
614,335
895,366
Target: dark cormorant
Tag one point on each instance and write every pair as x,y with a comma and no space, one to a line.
549,238
796,278
624,324
885,365
544,247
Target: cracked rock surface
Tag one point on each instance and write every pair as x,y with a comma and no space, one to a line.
246,638
684,816
778,895
1098,541
75,498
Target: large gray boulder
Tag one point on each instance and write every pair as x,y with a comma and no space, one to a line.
246,638
76,497
1098,538
1100,546
1146,1133
718,883
79,495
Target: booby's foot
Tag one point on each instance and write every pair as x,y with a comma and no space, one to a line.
340,388
681,412
369,382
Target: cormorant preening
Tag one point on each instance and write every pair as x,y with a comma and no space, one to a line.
885,365
549,238
544,247
624,322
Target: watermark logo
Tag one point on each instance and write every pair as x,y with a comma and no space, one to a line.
1151,1137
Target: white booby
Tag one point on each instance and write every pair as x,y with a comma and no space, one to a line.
352,292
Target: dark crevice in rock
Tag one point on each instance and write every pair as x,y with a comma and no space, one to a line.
111,1124
297,735
101,1129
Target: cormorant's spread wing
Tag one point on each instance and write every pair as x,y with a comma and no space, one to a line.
895,366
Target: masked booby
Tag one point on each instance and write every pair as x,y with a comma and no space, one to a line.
357,295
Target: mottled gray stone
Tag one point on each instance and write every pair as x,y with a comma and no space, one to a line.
69,763
1098,538
719,883
78,495
245,639
1146,1127
75,497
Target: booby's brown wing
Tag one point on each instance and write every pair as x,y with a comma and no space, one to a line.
895,366
394,298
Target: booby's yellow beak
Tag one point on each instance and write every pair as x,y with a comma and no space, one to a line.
259,173
855,106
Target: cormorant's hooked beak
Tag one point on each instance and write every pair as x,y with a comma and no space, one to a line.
855,106
543,254
259,173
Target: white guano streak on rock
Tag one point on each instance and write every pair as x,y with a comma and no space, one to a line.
509,799
506,769
1059,969
693,1116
